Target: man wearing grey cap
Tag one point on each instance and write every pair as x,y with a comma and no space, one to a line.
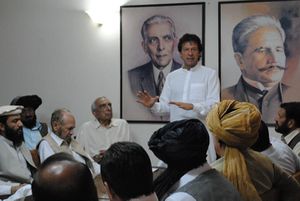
33,130
17,165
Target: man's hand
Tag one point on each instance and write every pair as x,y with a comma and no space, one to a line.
146,99
182,105
15,188
98,157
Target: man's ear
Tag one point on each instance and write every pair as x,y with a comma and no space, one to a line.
55,126
218,147
2,128
291,123
111,194
239,60
144,46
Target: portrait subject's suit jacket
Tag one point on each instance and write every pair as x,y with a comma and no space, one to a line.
142,78
10,167
271,101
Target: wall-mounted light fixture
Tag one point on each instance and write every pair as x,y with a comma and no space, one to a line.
101,12
95,17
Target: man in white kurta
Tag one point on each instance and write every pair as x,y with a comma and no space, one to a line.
16,162
97,135
287,122
60,140
189,92
198,86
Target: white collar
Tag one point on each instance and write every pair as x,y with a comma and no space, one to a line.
291,135
189,176
98,125
165,70
57,139
151,197
269,150
9,142
257,84
196,67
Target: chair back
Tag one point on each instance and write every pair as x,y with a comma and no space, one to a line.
270,195
35,157
297,176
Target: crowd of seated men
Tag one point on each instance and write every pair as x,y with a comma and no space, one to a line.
56,166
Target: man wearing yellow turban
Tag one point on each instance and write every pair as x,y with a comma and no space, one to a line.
235,127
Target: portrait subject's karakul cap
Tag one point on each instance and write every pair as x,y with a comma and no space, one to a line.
32,101
7,110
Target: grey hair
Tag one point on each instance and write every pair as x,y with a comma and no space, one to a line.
57,115
157,19
243,29
94,106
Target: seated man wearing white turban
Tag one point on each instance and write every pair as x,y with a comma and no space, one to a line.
235,126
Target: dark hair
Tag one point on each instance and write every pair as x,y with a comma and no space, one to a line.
263,141
190,38
3,119
292,111
74,181
126,168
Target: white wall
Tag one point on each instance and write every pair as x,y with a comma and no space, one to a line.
51,48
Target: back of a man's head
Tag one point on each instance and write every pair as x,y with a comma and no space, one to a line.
62,178
263,141
182,145
126,169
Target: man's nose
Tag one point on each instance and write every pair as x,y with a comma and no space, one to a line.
274,56
19,123
108,107
161,45
190,52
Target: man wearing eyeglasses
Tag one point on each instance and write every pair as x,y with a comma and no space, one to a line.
98,134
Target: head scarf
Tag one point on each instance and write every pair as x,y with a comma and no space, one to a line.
33,101
181,143
236,124
7,110
183,146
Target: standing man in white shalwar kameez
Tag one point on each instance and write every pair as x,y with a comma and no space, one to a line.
189,92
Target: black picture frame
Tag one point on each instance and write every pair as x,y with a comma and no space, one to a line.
287,12
187,17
